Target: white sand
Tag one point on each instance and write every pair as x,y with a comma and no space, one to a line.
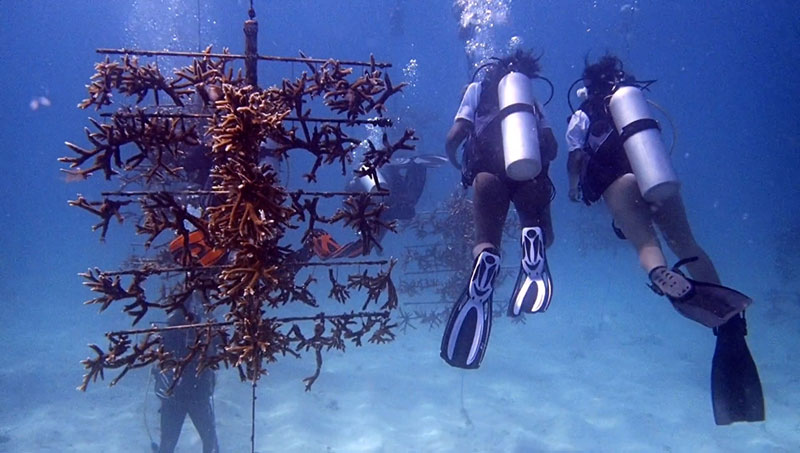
560,382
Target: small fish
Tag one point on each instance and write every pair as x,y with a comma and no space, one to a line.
39,102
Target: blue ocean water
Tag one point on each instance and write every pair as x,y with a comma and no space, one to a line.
609,367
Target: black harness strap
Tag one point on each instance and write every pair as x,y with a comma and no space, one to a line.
514,108
638,126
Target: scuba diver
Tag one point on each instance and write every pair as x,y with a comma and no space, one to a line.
404,177
193,395
509,145
616,153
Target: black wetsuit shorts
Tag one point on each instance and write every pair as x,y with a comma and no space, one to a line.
605,166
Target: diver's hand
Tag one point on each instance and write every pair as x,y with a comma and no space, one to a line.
455,136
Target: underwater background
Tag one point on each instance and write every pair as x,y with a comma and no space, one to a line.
609,367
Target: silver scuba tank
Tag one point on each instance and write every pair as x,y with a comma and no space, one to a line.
641,137
367,183
520,137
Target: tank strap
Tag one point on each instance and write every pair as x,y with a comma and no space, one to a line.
638,126
514,108
497,115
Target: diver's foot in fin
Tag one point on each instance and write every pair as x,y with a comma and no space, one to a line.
736,392
467,331
534,288
706,303
670,283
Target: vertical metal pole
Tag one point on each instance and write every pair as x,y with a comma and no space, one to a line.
251,50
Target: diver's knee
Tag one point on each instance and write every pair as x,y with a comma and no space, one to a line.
484,181
624,184
623,191
624,199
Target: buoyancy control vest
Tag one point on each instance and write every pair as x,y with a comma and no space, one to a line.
602,137
483,147
621,123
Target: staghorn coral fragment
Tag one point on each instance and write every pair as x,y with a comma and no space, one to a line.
252,204
338,291
130,78
406,320
158,143
106,210
375,286
364,215
122,353
383,334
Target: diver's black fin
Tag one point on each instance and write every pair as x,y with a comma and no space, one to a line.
736,392
707,303
467,331
534,288
710,304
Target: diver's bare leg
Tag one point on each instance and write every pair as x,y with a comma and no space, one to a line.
670,217
173,412
201,411
532,201
632,214
490,206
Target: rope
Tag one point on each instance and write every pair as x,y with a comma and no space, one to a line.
464,412
199,40
253,406
146,393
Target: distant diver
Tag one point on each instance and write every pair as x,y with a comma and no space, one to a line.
404,177
192,395
616,153
509,145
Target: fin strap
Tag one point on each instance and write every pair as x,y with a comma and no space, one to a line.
683,262
670,283
676,268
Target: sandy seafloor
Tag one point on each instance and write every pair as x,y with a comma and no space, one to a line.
604,370
609,368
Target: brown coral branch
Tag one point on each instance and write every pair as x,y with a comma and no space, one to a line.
338,291
106,210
